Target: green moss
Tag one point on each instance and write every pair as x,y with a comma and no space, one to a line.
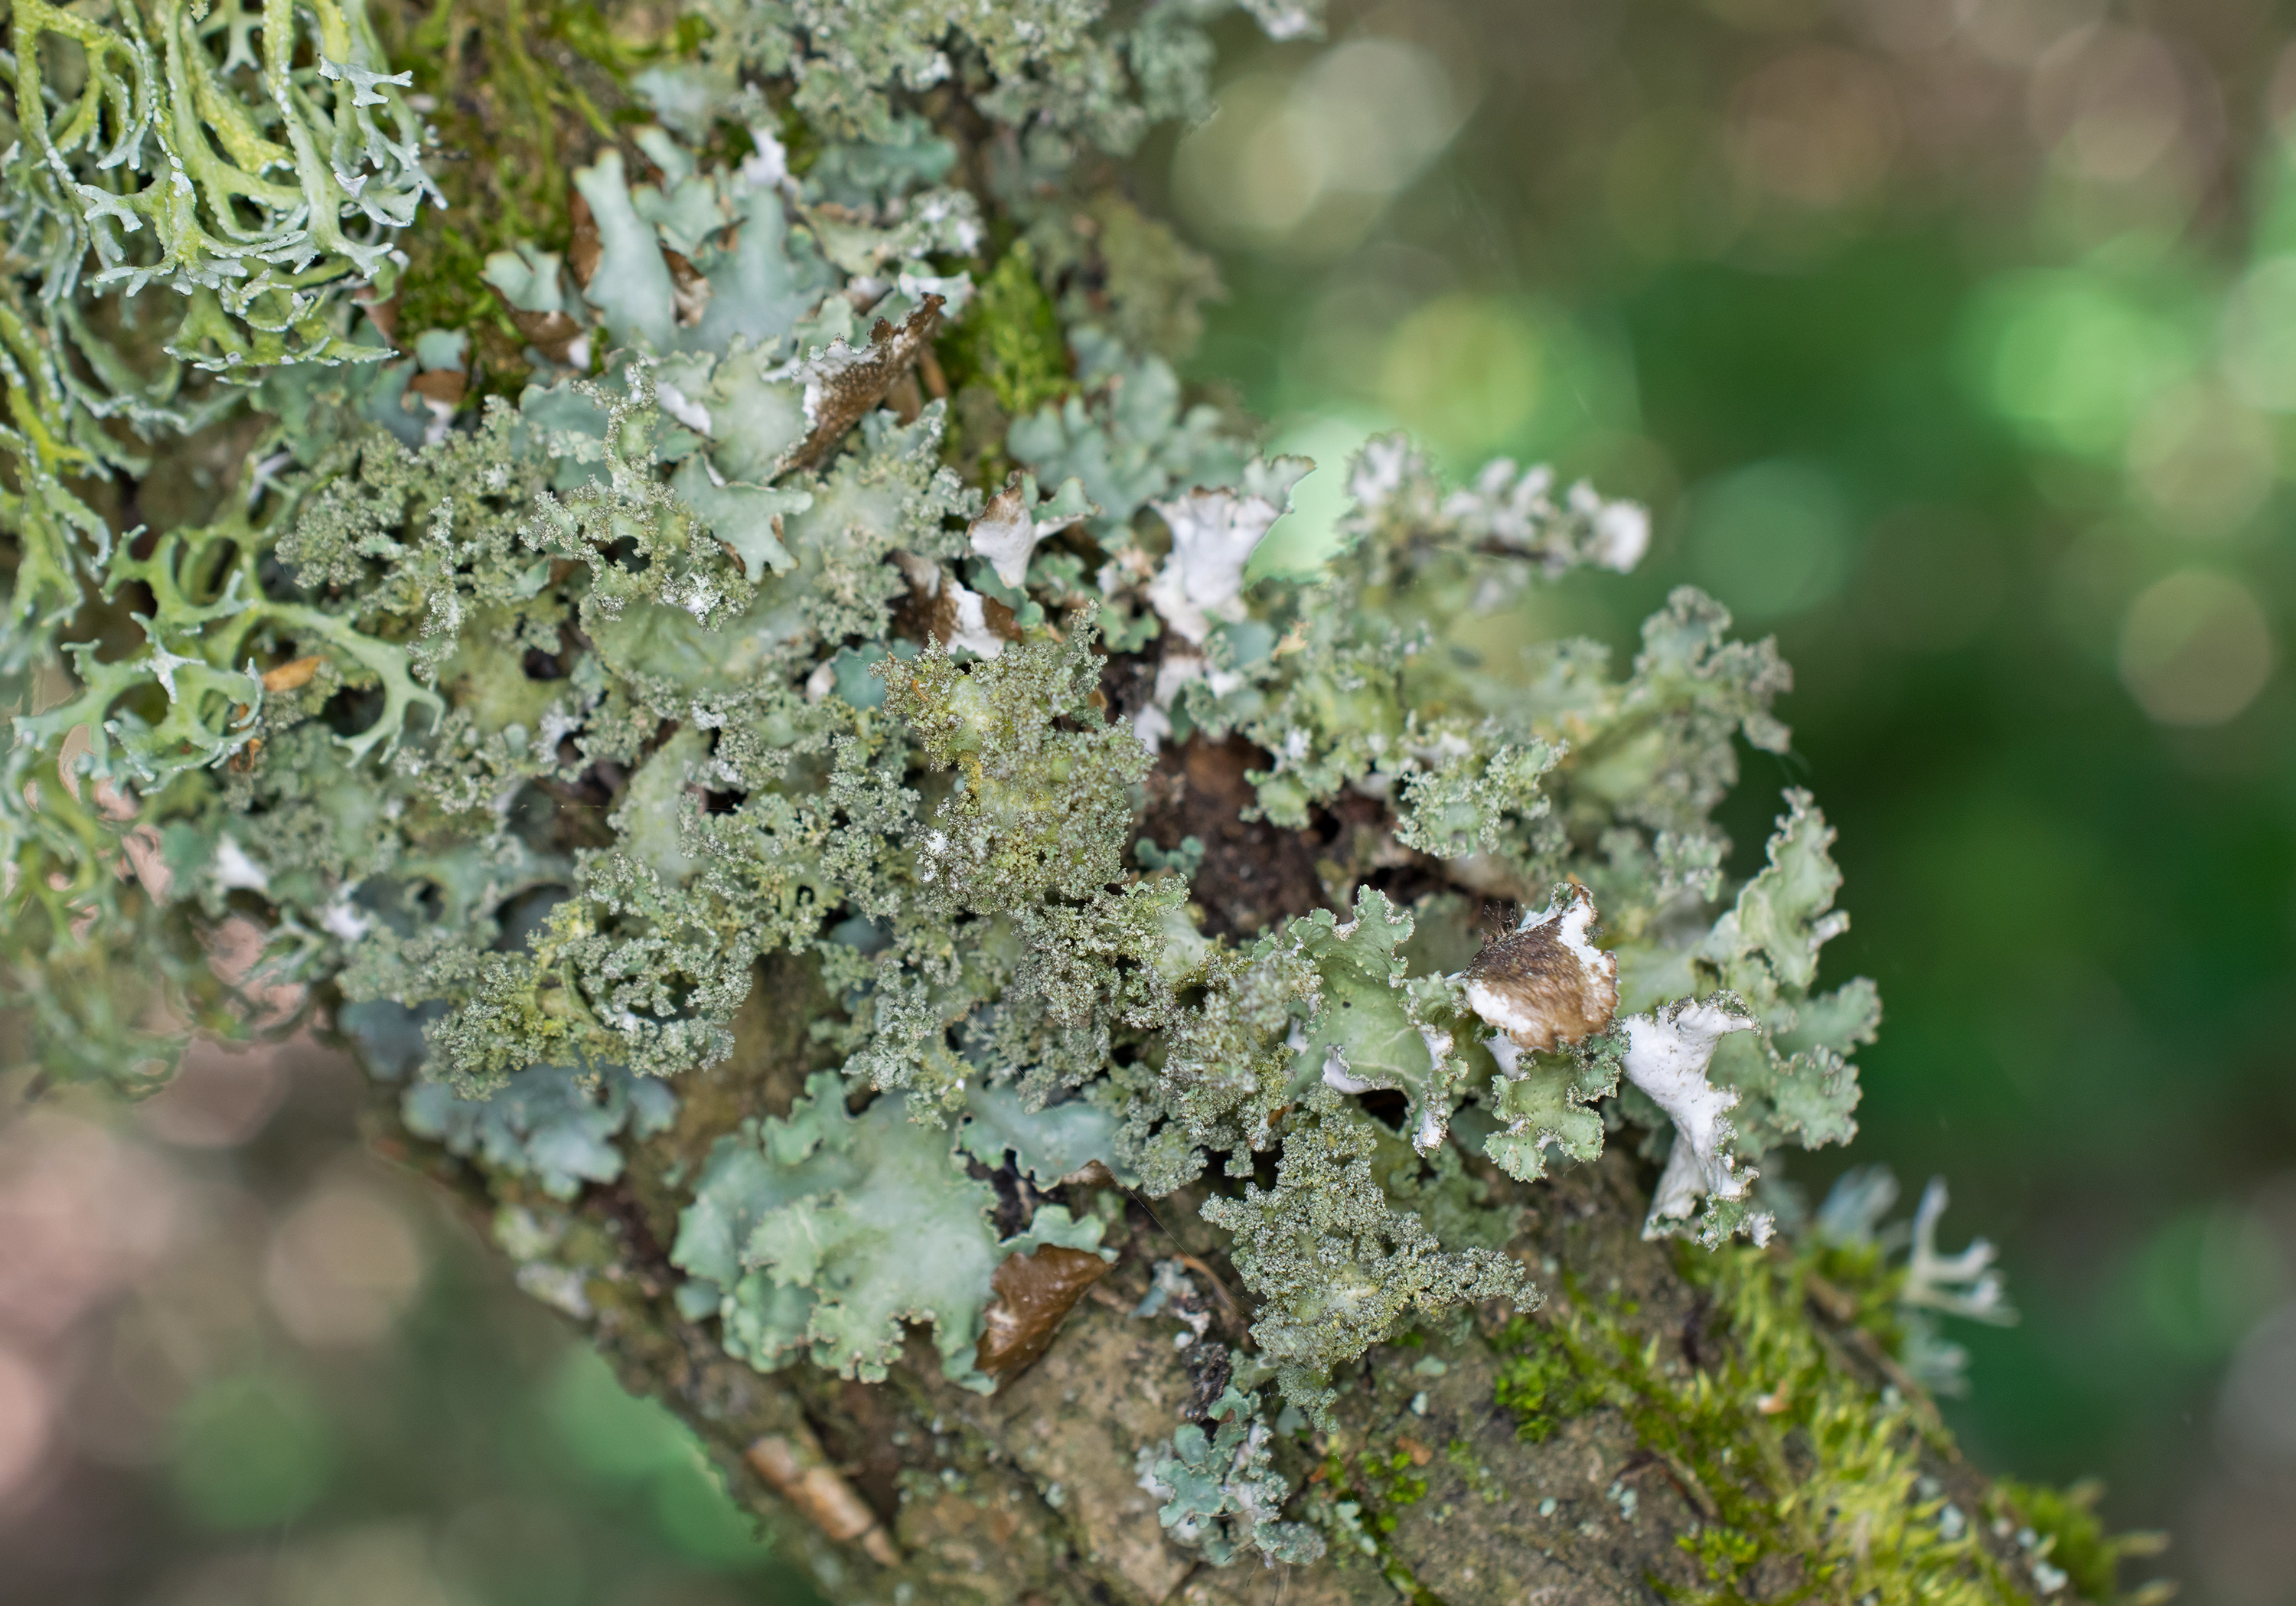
1010,339
2072,1538
522,94
1005,358
1480,1479
1536,1380
1792,1452
1862,1274
1353,1498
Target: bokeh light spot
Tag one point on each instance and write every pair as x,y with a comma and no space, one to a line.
1771,539
1818,126
251,1451
1464,374
2110,100
1911,27
1306,163
342,1265
378,1564
2201,461
26,1414
221,1096
1380,109
2195,648
2069,359
2259,335
2015,33
2204,1277
2257,1411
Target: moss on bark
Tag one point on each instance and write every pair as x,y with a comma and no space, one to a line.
1688,1425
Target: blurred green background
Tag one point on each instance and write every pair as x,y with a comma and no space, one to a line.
1953,341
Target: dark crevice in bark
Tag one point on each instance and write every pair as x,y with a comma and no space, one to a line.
1254,874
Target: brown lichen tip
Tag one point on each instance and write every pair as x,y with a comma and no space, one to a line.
797,1472
1033,1294
585,251
845,381
1546,982
292,675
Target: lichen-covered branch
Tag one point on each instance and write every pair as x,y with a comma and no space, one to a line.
1081,1066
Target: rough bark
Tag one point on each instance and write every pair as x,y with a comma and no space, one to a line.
916,1490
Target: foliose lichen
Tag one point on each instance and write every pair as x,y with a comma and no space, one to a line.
1221,1488
541,722
517,729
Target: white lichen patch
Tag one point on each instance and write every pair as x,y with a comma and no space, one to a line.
1009,528
1668,1053
1214,533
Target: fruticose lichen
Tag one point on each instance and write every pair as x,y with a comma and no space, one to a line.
517,730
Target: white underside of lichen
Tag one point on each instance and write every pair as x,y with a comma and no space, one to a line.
1577,922
687,410
1008,530
1213,535
342,918
1006,535
1507,1051
234,870
1430,1130
1498,1010
970,628
1340,1079
1669,1053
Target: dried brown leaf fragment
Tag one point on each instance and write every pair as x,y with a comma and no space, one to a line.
845,381
552,334
293,675
585,251
1034,1294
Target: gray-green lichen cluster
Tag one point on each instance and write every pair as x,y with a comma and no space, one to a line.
517,731
1220,1489
818,1235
